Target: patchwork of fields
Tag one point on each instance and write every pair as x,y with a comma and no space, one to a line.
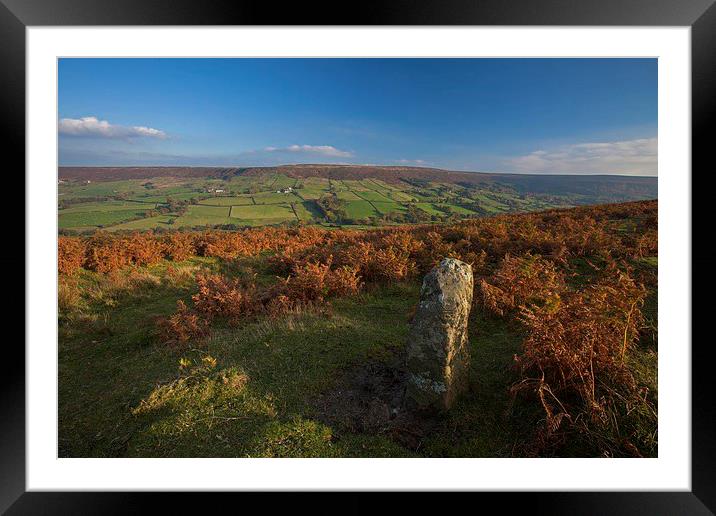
276,199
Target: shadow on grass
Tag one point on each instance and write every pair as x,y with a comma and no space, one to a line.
120,395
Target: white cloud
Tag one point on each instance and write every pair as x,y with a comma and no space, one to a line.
628,157
93,127
415,161
323,150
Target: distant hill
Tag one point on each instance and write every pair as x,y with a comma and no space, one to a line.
122,173
604,188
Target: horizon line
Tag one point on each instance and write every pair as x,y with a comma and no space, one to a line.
355,165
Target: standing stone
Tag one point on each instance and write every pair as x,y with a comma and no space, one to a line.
438,356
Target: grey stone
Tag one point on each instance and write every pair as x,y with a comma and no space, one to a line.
438,355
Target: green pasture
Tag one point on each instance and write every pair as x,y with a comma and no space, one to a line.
239,200
429,208
100,188
360,209
459,210
311,193
307,211
275,198
160,221
204,215
370,195
87,219
284,182
388,207
263,211
346,195
107,206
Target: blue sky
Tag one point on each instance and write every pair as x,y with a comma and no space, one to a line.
581,116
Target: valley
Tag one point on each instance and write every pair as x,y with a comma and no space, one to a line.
91,199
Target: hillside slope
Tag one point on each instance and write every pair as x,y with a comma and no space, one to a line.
602,187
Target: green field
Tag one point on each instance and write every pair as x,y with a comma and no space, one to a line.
108,206
459,210
422,196
254,201
164,197
307,211
360,209
243,200
101,214
96,218
266,211
313,192
370,195
388,207
204,215
93,189
429,208
160,221
399,196
347,195
284,182
275,198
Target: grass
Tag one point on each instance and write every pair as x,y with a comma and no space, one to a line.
101,188
483,423
429,208
144,224
164,197
266,211
97,218
275,198
311,193
371,195
360,209
459,210
202,215
121,395
239,200
252,390
399,196
347,195
106,206
287,363
307,211
388,207
282,181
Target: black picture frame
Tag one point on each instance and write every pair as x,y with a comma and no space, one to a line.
700,15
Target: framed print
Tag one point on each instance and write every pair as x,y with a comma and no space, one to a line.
420,249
